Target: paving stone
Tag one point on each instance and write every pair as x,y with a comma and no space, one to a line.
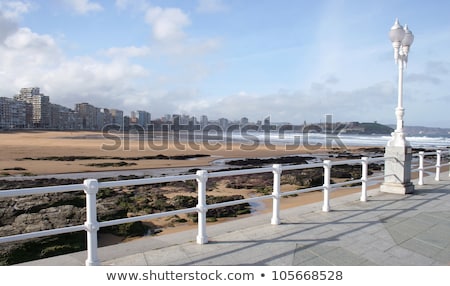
399,237
382,245
410,227
317,261
431,217
421,247
343,257
443,257
438,236
132,260
302,254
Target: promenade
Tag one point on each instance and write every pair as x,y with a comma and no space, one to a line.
388,229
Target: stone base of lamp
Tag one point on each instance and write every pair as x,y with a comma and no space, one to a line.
401,189
397,170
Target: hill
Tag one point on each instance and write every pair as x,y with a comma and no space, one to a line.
367,128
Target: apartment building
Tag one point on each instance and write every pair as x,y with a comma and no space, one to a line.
63,118
89,116
40,103
13,113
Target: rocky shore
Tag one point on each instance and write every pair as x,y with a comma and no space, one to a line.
48,211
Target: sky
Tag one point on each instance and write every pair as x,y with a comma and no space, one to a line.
290,60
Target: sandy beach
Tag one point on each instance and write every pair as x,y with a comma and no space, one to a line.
17,149
16,146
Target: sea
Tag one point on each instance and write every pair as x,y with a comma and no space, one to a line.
340,140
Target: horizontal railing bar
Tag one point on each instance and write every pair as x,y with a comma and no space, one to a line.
302,166
146,181
239,172
301,191
429,167
146,217
426,154
376,159
41,190
372,178
41,233
346,162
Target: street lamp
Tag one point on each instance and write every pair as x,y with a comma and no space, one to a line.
398,152
401,38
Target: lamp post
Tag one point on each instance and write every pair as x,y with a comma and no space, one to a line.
401,38
398,150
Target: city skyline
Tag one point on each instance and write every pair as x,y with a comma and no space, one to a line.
292,61
30,108
14,109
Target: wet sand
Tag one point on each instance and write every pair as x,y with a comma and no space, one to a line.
16,146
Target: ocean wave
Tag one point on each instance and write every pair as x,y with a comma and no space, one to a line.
332,139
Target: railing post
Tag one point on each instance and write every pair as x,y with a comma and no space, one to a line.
91,224
438,165
276,194
421,155
202,178
326,185
364,170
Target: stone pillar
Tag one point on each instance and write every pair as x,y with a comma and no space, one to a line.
397,170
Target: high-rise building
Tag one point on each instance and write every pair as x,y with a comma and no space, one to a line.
13,113
107,117
117,117
244,121
223,123
133,117
62,117
5,113
87,115
40,106
143,118
203,121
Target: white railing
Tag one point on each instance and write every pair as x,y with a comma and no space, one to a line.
91,187
437,166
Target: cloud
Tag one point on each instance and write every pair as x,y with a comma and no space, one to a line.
14,9
167,23
438,67
331,79
138,5
24,38
115,79
7,27
88,79
211,6
32,59
434,72
423,77
83,6
296,106
26,54
10,13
